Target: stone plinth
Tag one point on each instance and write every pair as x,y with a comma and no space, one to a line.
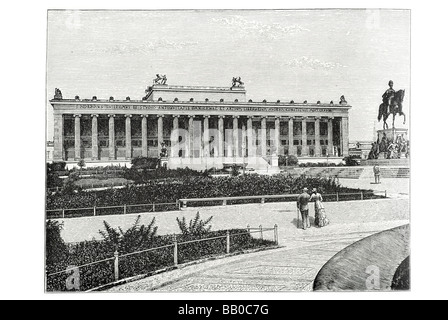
392,134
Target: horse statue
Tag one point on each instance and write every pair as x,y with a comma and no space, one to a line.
236,82
160,79
395,107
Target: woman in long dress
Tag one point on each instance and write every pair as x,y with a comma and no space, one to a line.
320,218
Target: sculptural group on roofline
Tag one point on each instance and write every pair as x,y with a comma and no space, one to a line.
160,79
236,82
57,93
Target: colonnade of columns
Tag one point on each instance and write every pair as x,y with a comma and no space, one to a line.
247,146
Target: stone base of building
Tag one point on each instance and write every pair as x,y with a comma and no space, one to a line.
250,163
330,160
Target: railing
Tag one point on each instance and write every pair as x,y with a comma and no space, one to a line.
110,210
182,203
361,195
71,276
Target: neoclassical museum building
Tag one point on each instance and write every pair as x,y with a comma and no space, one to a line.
198,127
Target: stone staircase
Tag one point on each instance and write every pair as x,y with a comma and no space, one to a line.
340,172
395,172
404,162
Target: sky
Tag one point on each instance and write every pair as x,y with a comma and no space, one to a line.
279,54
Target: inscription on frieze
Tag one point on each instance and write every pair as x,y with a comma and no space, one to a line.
201,108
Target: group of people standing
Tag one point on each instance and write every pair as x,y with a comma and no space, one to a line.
320,219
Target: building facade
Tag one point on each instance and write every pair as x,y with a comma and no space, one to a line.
198,127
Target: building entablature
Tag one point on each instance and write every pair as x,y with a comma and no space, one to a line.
67,106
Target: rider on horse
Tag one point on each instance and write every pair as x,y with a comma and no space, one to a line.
389,95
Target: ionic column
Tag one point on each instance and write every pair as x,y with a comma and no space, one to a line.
128,136
206,137
221,136
190,136
111,137
304,138
291,136
144,135
344,140
330,137
277,135
95,155
77,136
175,137
235,136
243,140
250,137
317,151
159,132
263,136
58,154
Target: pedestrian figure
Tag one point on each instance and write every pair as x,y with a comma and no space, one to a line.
376,172
302,207
320,219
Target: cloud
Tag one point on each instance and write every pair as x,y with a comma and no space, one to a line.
124,48
315,64
271,31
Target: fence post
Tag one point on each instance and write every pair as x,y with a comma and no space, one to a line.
228,241
175,251
276,234
116,270
124,209
385,193
262,200
224,202
261,232
362,196
248,229
63,213
185,203
94,210
153,207
337,196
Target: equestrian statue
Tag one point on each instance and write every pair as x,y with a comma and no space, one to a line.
392,104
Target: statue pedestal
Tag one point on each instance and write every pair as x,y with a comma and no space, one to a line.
164,162
392,134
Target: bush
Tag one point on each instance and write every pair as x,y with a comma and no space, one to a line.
138,238
55,247
144,163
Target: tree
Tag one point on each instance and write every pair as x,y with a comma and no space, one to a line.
81,164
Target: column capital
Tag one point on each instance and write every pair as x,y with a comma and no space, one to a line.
111,115
94,115
221,116
263,117
144,115
191,116
330,118
317,118
235,116
77,115
292,117
250,117
128,115
207,116
160,116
